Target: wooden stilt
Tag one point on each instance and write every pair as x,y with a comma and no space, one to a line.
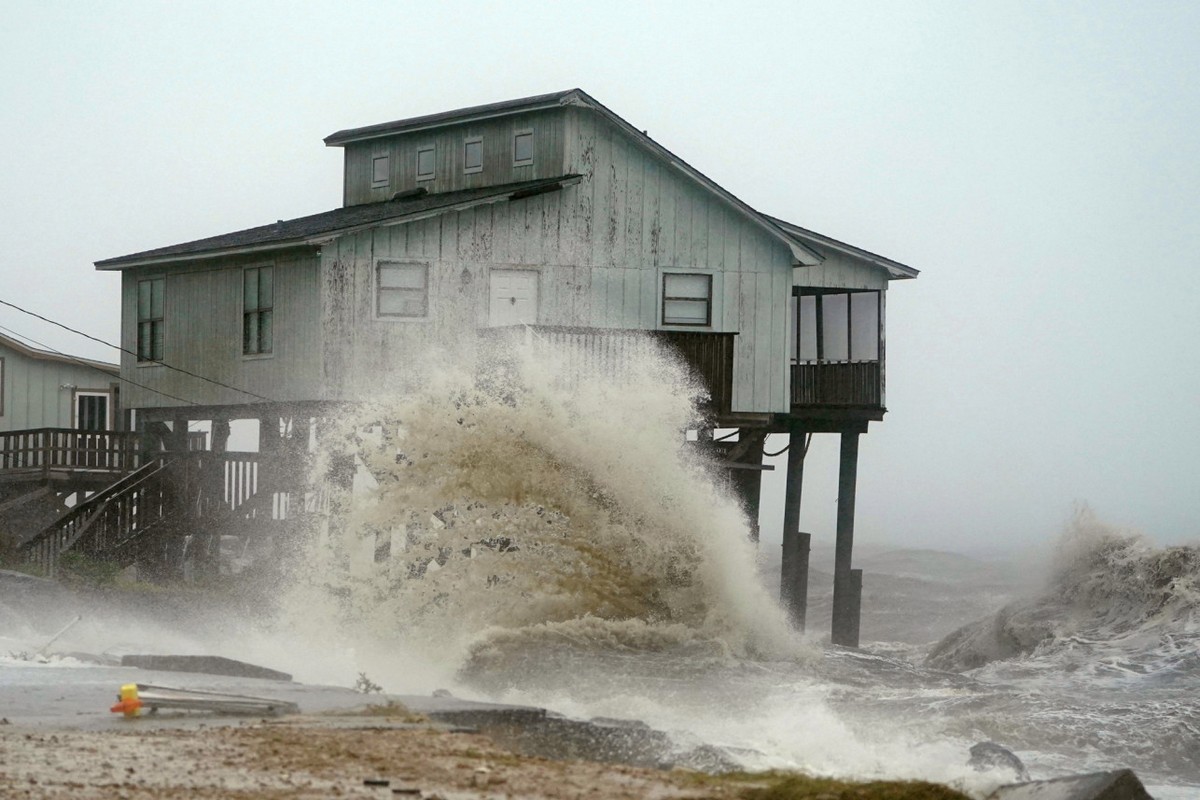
748,482
793,572
845,611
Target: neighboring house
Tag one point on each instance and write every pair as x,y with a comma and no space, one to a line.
550,211
41,389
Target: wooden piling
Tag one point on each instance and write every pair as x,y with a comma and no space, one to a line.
793,572
845,610
855,601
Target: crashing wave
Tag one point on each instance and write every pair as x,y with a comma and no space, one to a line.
531,510
1114,603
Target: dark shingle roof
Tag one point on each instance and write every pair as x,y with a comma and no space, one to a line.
301,231
473,112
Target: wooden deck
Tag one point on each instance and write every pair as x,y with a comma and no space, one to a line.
66,454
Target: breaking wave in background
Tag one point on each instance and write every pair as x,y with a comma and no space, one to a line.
1101,666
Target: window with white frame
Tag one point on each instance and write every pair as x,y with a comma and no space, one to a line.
258,309
687,299
380,175
401,290
150,303
522,148
473,155
425,163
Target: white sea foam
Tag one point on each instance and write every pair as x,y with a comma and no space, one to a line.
544,502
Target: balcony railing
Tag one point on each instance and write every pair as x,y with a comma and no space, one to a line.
604,351
839,384
67,449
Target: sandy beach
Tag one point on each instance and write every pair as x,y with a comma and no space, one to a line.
349,756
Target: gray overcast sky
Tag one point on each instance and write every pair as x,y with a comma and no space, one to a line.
1038,161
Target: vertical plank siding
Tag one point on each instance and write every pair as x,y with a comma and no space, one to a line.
600,248
448,142
39,393
848,384
203,334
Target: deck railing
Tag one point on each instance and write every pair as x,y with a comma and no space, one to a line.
146,515
840,384
601,352
101,525
49,449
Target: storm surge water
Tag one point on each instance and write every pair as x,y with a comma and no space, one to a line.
1103,665
545,535
547,502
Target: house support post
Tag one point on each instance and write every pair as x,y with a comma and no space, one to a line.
793,572
846,593
208,561
748,482
271,454
179,500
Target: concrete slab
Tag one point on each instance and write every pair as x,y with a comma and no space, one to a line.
1117,785
205,665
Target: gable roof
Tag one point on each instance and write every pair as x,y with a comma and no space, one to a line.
50,355
316,229
577,97
820,241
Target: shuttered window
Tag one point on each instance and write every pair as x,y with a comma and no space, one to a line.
425,163
473,155
150,319
258,308
380,175
522,148
687,299
402,290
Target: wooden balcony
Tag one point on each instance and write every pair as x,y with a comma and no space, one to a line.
65,452
853,388
602,351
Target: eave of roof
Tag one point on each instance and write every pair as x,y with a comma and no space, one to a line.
803,254
895,269
49,355
317,229
458,115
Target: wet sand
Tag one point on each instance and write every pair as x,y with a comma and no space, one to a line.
307,757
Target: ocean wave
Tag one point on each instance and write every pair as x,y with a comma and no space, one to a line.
1115,607
541,505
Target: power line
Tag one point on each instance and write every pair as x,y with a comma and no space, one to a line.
132,353
807,442
83,363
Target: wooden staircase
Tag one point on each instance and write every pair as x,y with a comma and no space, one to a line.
110,523
174,502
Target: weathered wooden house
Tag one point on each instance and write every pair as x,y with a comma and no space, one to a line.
548,211
58,415
44,389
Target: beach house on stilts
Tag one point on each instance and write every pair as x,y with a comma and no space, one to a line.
551,212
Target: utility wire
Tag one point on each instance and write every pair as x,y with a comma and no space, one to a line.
83,363
807,442
132,353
